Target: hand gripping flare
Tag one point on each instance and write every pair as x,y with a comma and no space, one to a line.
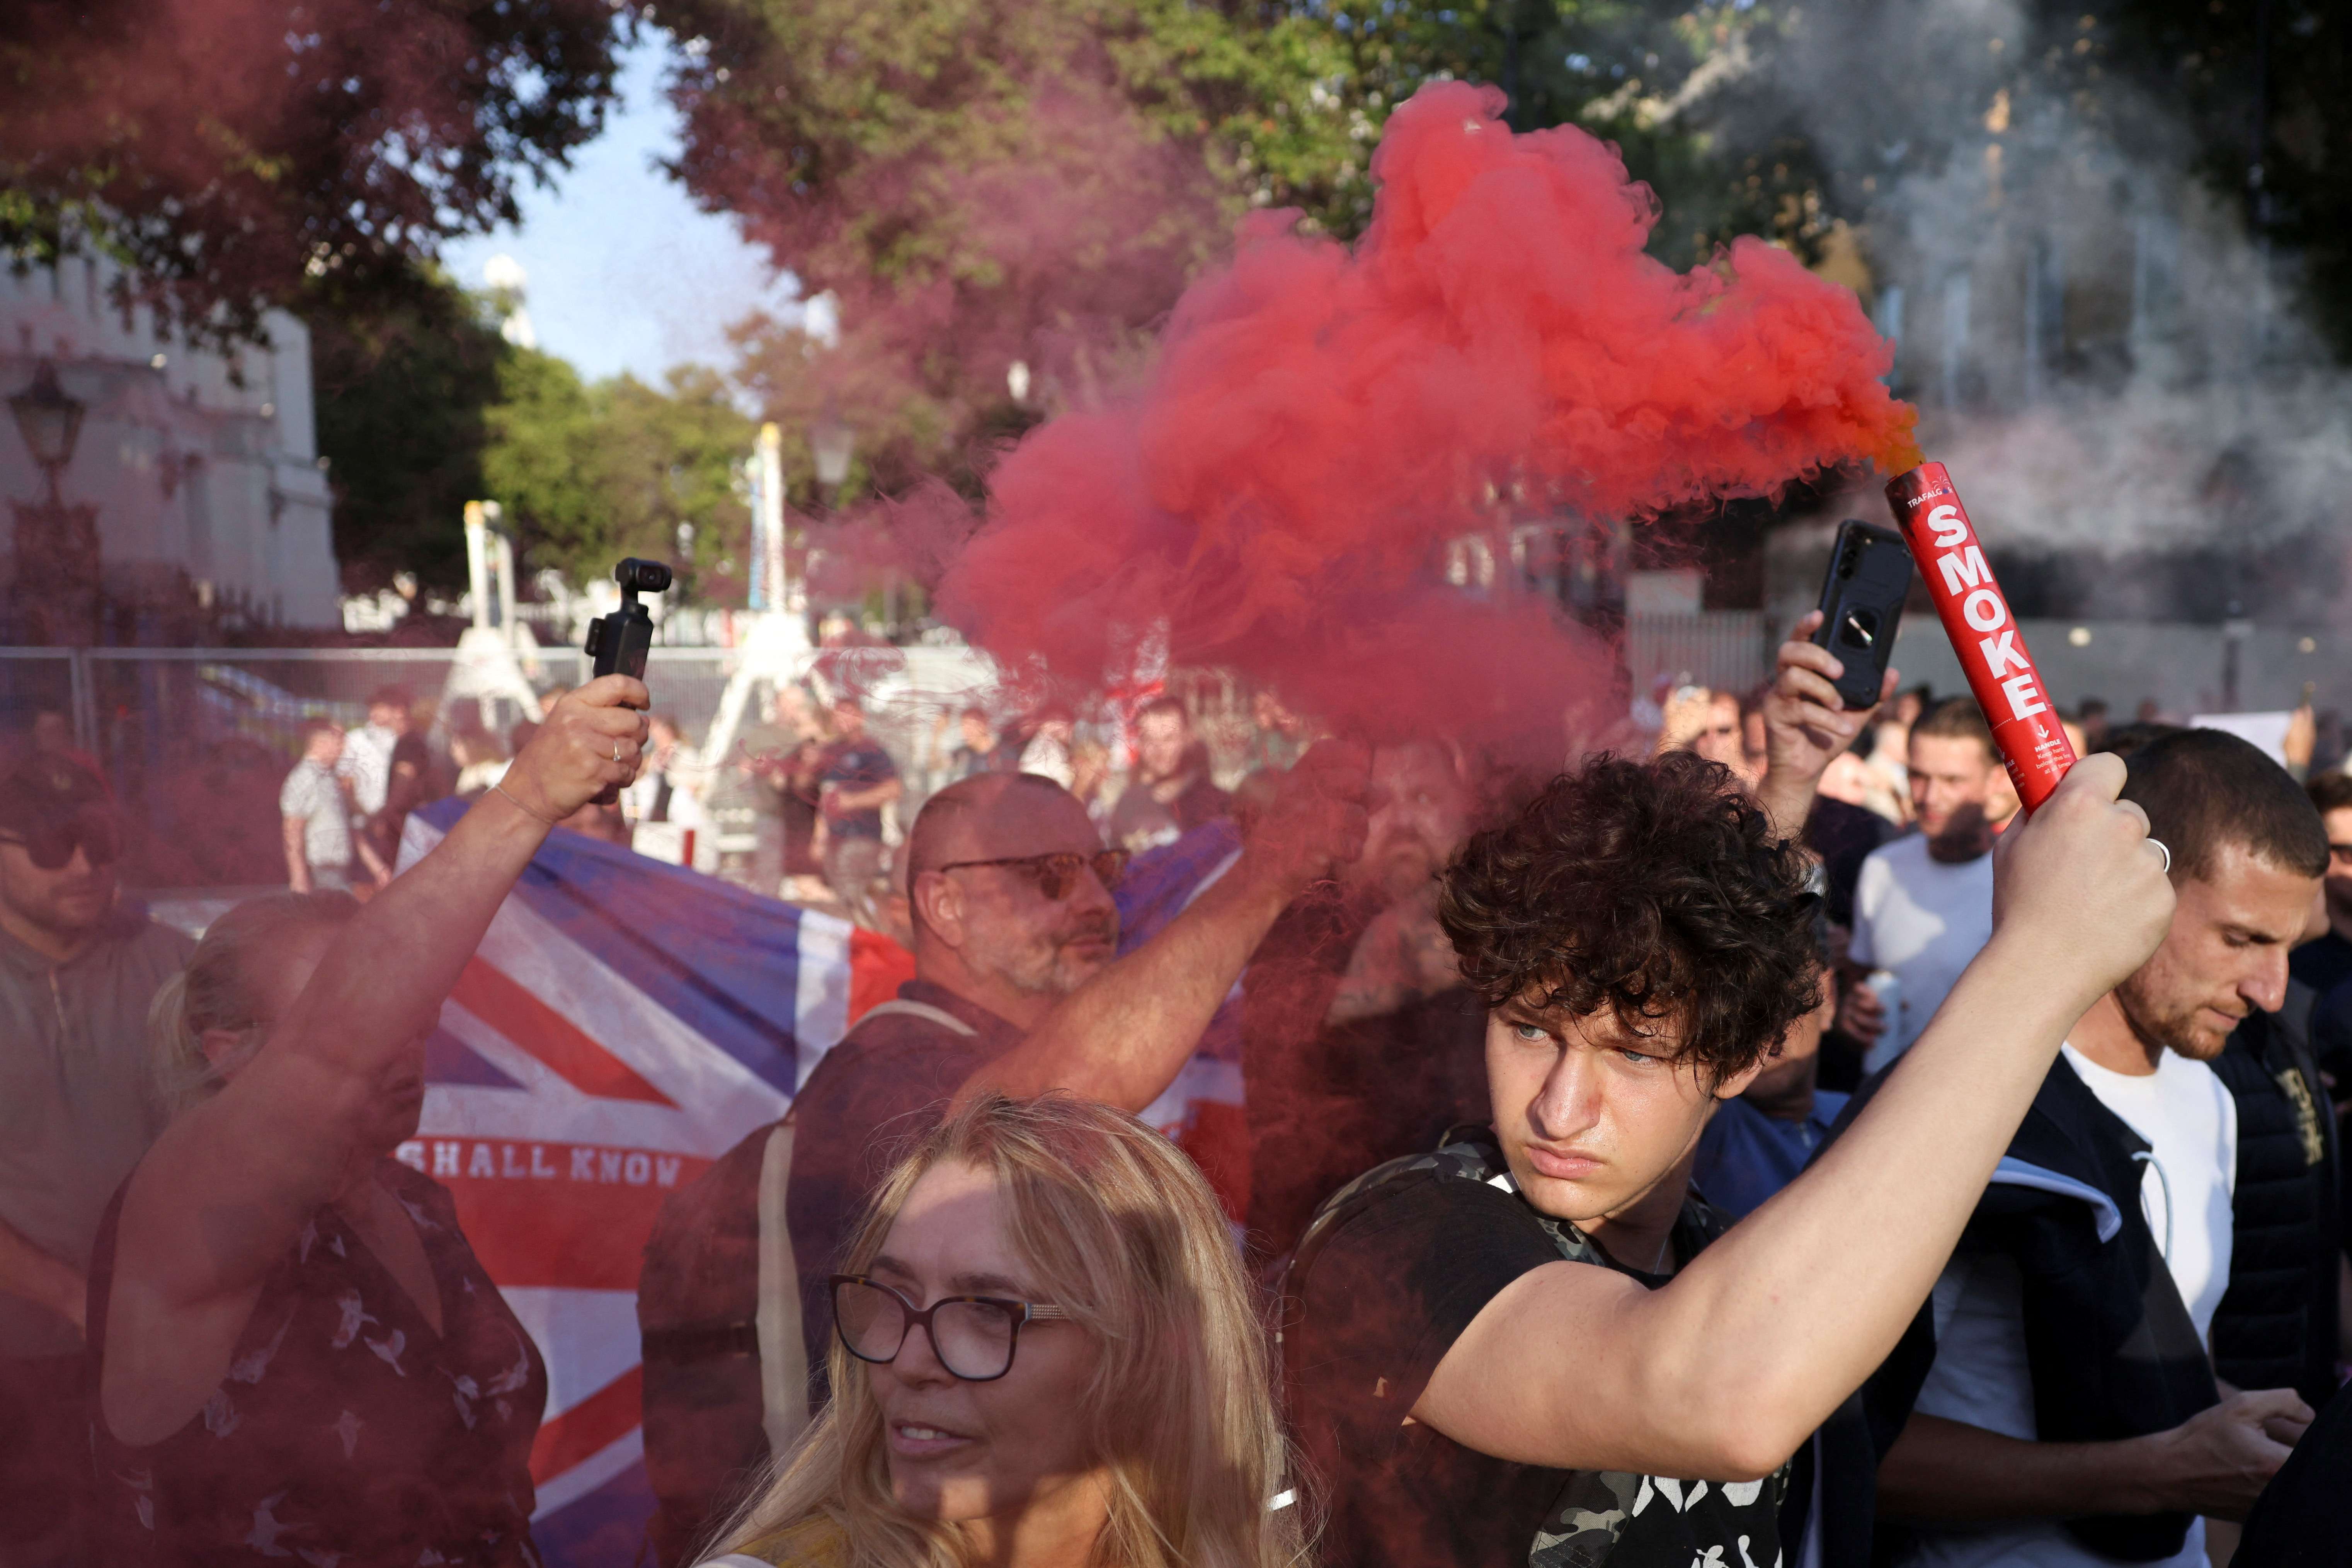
2002,675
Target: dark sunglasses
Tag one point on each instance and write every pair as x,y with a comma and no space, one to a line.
52,848
973,1336
1056,876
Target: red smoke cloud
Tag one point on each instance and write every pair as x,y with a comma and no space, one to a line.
1321,420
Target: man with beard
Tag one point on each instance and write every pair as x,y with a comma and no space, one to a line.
1172,793
2066,1413
77,1110
1016,990
1358,1042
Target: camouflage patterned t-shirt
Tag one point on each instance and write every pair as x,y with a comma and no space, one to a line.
1395,1267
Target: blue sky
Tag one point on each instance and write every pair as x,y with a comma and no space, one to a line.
625,272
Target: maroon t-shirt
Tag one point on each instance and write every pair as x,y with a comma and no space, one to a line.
870,1100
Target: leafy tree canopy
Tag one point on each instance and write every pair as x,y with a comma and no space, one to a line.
589,472
401,389
423,406
228,150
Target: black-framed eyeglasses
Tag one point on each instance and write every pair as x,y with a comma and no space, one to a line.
52,848
973,1336
1057,875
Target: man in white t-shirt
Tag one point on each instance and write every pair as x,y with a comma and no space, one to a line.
1923,904
366,762
2070,1416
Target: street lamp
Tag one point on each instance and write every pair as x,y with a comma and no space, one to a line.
49,421
831,442
55,597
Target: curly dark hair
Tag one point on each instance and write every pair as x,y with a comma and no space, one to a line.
1655,889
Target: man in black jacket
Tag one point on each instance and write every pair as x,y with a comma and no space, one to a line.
2067,1408
2279,1325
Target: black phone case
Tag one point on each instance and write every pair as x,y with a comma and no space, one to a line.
1862,607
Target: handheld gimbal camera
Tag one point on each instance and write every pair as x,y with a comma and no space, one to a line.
618,643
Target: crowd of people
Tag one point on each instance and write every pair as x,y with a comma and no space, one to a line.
1695,1157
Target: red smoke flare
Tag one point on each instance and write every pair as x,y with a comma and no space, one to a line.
1321,420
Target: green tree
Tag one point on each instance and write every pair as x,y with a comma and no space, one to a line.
588,473
669,457
979,186
542,461
228,150
983,186
423,406
402,386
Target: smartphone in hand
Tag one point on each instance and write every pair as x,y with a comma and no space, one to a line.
1862,607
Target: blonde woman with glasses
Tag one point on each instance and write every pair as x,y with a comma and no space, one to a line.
1044,1355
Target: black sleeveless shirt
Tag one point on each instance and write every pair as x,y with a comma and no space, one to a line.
346,1434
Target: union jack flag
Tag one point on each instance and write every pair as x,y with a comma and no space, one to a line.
624,1022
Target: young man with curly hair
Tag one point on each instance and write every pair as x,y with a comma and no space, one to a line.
1513,1348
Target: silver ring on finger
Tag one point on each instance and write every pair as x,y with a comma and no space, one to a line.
2158,846
616,752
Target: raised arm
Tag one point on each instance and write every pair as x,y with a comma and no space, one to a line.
1723,1372
226,1189
1123,1036
1806,725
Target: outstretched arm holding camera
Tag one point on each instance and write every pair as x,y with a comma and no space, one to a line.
319,1094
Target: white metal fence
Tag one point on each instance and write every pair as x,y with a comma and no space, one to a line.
195,742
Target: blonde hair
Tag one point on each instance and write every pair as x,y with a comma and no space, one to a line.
1122,1231
221,989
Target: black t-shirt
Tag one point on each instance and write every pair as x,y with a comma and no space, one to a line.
2326,965
1323,1099
1843,835
873,1097
853,766
2323,963
1404,1260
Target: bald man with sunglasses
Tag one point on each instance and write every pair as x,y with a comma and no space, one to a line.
1018,987
77,974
